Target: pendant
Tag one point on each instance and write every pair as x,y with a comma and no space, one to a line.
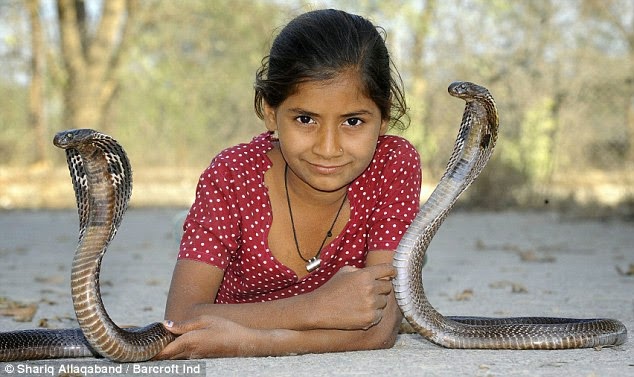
313,264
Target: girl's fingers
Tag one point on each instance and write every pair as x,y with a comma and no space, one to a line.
181,327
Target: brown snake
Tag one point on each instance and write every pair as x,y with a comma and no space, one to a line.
102,179
472,150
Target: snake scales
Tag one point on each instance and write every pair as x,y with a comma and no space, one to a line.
102,180
472,150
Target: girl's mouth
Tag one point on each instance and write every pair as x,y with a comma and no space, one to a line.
326,169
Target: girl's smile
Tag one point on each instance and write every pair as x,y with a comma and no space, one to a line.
326,170
328,132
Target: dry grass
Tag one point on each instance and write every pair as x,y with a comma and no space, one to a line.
50,188
41,187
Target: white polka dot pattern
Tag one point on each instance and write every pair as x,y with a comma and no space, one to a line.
228,224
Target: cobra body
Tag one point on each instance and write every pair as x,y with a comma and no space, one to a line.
102,180
472,150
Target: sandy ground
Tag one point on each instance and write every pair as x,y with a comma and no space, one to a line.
491,264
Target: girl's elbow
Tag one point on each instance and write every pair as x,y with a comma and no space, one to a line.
388,340
382,336
385,342
389,329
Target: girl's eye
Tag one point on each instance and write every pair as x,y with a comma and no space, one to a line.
305,119
353,122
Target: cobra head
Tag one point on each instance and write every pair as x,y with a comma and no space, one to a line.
467,90
73,138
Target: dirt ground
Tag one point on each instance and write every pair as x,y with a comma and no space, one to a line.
490,264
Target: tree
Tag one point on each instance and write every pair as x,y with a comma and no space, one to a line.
37,119
91,59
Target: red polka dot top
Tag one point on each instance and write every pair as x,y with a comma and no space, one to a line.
228,224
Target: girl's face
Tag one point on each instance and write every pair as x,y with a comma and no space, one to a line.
328,131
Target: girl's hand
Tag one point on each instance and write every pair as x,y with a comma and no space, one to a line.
353,299
204,337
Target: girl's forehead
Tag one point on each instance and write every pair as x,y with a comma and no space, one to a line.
346,86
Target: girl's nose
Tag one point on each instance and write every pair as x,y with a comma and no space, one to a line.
327,144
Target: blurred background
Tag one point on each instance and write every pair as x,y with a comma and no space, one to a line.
173,82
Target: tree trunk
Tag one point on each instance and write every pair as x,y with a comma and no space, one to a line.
628,35
37,118
91,61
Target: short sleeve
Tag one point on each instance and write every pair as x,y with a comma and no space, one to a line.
399,195
212,229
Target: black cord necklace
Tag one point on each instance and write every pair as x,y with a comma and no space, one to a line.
313,263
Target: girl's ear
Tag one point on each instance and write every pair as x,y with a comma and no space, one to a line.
384,126
270,118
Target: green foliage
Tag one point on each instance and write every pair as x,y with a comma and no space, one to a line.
14,139
532,151
191,90
562,76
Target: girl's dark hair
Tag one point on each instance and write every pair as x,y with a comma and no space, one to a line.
321,44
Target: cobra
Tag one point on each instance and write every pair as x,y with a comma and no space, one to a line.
472,150
102,180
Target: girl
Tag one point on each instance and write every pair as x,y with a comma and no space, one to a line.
288,246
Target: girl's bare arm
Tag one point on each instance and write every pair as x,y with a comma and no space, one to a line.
355,310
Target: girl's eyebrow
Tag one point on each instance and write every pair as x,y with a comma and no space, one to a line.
299,110
357,113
